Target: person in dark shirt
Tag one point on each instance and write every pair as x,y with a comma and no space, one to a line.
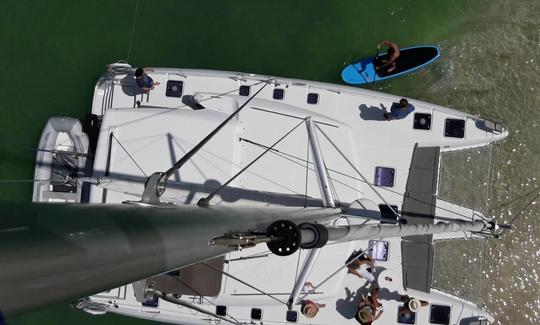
399,110
143,79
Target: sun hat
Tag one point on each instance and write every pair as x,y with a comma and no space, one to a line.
365,314
414,305
309,308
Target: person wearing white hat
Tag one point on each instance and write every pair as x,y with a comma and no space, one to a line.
410,306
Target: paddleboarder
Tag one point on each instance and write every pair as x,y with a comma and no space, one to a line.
387,63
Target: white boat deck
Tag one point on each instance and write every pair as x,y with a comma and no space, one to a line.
137,139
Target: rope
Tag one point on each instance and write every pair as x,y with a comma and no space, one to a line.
23,180
207,300
516,199
358,172
211,195
243,282
132,29
285,155
524,208
132,159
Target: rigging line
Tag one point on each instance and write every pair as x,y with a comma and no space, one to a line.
515,199
132,159
307,174
243,258
525,207
489,175
211,195
360,253
132,29
165,176
243,282
284,156
357,171
206,299
23,180
171,299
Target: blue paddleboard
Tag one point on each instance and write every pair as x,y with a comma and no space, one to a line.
410,59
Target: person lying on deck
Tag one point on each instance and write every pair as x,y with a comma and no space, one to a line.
364,267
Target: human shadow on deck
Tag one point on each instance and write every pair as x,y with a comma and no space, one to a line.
130,86
371,113
347,306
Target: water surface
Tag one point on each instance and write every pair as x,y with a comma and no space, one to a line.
54,51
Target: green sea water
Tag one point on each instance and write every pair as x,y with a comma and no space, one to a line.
52,53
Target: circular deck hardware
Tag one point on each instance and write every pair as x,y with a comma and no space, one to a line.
285,236
320,235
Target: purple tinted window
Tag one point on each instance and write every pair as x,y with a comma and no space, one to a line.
384,176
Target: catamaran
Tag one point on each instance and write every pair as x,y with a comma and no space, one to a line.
327,178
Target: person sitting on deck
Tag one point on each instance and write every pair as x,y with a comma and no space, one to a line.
143,80
369,308
363,266
399,110
387,63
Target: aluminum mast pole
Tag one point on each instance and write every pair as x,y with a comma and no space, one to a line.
358,232
56,252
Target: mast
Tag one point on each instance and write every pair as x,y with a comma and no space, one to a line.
56,252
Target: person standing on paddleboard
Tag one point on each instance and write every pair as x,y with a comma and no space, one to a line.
387,63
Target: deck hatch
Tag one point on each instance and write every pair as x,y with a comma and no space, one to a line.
278,93
174,88
292,316
378,250
256,313
439,315
422,121
221,310
454,128
387,213
244,90
407,317
384,176
313,98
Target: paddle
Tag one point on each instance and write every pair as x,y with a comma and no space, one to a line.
375,70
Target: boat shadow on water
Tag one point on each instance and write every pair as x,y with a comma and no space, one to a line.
371,113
